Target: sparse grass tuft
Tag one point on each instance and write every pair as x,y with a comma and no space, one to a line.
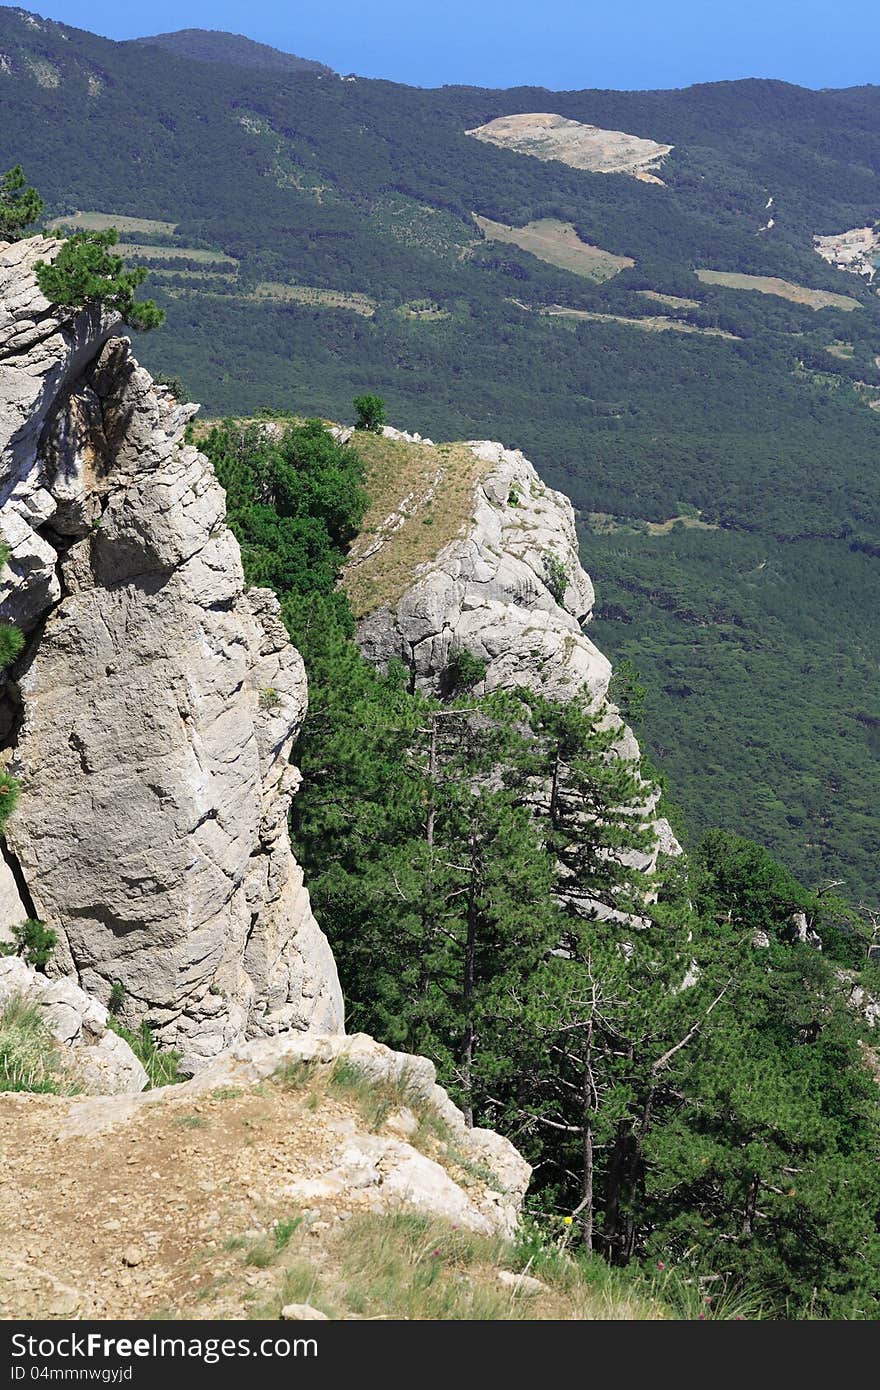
263,1250
296,1076
29,1058
227,1092
377,1099
284,1229
300,1284
161,1066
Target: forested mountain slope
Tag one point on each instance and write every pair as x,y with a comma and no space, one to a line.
312,237
216,46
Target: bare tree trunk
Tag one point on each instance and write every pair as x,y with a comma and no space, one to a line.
751,1205
424,973
470,952
588,1092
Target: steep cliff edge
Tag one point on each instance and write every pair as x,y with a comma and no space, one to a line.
507,587
151,717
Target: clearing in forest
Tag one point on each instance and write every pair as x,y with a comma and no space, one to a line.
558,244
100,221
175,253
674,301
606,524
658,323
312,294
197,277
546,135
784,289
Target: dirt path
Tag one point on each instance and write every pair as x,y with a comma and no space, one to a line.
132,1222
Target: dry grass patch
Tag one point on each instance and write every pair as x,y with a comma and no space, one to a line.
606,524
690,523
100,221
658,323
197,277
674,301
30,1060
133,249
547,135
421,498
404,1265
558,244
311,294
784,289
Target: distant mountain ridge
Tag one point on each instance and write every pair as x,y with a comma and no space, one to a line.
218,46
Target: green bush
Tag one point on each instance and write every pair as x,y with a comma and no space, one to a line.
10,789
11,643
294,500
463,672
370,413
173,385
34,941
85,272
555,575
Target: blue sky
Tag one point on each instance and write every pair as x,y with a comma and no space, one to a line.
552,43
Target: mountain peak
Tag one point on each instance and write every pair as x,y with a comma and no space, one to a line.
218,46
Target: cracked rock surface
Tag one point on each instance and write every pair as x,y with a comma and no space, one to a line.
152,716
510,590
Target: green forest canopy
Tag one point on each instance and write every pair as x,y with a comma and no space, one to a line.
757,641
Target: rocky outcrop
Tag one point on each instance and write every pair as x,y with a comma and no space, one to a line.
857,250
151,718
283,1157
93,1058
386,1166
510,591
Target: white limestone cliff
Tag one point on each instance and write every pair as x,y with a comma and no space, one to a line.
151,719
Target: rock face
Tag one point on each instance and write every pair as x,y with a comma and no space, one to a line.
151,718
510,590
96,1059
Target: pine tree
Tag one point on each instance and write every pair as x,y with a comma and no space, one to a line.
20,205
85,272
